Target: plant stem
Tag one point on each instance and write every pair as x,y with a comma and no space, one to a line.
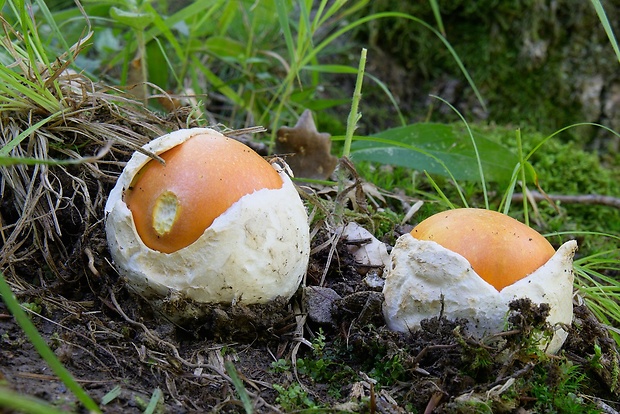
354,115
143,65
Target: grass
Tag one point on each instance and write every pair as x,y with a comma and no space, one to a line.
600,291
233,60
44,350
266,77
22,403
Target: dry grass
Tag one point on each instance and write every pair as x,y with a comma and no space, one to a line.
54,175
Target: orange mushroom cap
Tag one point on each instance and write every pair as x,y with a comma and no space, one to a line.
500,249
173,204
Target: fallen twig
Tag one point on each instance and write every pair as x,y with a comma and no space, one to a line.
572,199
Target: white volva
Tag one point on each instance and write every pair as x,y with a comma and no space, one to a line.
423,274
255,251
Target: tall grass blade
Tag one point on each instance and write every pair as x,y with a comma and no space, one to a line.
311,56
243,394
286,28
383,15
219,84
6,149
49,18
600,11
42,348
541,143
354,115
473,142
437,14
442,195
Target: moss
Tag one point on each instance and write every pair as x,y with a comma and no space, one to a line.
566,169
531,60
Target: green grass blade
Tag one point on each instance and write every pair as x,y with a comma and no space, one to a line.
336,7
26,404
591,233
483,182
540,144
526,215
304,29
155,398
164,28
49,18
5,150
42,348
442,195
14,85
354,115
319,13
111,395
437,14
6,161
243,394
286,28
598,6
219,84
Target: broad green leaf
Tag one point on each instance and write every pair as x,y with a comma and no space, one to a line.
426,146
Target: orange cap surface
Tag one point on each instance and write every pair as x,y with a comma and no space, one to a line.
173,204
501,249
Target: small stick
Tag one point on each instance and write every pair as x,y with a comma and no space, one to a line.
572,199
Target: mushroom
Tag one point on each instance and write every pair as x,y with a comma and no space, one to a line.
471,263
215,224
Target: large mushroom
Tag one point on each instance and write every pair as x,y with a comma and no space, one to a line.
215,224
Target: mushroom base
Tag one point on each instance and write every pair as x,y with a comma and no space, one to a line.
223,322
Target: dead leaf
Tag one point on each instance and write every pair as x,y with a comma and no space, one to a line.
310,150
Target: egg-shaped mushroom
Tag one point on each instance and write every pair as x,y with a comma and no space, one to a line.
471,263
501,249
215,224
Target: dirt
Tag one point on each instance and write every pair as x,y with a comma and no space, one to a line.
349,362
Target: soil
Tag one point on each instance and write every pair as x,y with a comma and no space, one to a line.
290,356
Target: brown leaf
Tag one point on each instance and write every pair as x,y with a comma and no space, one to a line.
306,150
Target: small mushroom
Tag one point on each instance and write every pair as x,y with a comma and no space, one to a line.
471,263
